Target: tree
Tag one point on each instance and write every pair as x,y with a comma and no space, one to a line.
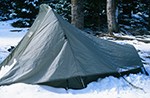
95,14
149,13
77,13
26,11
6,10
111,16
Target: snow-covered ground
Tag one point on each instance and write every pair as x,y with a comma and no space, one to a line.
109,87
9,36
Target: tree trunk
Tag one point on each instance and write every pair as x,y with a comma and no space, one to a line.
77,18
111,16
149,14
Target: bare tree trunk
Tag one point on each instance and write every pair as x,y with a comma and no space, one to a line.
77,13
111,16
149,14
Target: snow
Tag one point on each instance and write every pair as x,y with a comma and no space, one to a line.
7,68
109,87
24,10
7,31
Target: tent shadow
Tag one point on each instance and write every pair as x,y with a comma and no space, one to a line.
53,89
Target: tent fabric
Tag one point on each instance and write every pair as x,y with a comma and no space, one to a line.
56,53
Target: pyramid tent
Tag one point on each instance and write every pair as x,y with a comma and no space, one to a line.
55,53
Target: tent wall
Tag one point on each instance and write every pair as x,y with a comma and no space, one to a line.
56,53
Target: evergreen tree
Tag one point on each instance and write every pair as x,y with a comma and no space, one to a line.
95,14
6,10
26,10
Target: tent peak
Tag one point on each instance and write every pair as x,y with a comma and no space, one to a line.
44,7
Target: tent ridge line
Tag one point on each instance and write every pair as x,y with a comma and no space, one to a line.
67,40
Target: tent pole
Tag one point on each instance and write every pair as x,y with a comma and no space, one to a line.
83,84
67,86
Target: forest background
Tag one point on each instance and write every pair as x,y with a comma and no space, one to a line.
131,17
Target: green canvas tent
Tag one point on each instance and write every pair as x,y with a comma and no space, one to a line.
55,53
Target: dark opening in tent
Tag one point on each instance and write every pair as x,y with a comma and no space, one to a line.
55,53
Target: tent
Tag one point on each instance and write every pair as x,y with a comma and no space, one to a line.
55,53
